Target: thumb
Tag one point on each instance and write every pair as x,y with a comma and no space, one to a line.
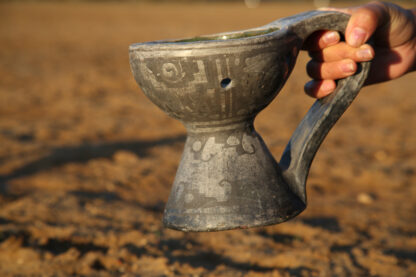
363,22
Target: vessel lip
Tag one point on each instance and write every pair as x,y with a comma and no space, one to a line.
188,43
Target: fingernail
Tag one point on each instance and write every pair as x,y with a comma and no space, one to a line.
357,37
347,67
327,86
365,54
331,37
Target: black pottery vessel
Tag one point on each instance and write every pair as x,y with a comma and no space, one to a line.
216,85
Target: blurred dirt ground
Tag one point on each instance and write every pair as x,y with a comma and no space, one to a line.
86,161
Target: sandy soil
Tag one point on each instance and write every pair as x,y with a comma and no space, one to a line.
86,161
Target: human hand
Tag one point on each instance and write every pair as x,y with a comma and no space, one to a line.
393,53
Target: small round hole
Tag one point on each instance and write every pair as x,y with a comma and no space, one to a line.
225,82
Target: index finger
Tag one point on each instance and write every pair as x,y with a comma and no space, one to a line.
320,40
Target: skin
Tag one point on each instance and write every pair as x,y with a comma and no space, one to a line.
393,54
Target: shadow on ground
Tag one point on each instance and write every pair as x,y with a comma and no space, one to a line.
85,152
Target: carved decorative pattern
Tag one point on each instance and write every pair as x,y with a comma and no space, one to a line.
172,73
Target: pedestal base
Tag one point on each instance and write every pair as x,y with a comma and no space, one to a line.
228,179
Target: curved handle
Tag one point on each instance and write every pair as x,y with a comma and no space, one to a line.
324,113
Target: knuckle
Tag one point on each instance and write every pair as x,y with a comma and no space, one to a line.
336,52
344,51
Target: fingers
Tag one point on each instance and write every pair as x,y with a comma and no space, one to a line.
332,59
320,40
364,21
334,63
343,51
331,70
392,29
319,89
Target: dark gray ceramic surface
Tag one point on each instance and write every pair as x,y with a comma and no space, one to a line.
215,85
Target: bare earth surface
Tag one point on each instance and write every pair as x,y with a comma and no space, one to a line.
86,161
